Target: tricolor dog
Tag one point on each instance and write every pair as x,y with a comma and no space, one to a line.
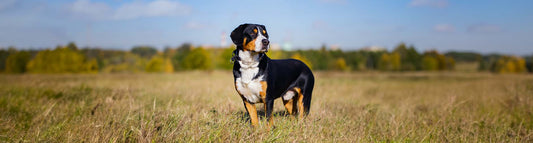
259,79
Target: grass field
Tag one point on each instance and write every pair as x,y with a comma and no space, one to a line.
201,106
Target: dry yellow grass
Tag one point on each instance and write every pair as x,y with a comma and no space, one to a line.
200,106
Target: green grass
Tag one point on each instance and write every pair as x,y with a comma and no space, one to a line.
204,107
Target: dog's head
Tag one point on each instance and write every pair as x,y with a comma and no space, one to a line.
251,37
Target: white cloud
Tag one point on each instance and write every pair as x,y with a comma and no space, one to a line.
92,10
444,28
133,10
484,28
429,3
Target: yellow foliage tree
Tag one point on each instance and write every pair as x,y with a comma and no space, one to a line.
384,62
340,64
61,60
198,59
429,63
395,61
509,64
159,64
169,68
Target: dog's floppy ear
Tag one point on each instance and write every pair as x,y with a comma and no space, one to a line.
236,35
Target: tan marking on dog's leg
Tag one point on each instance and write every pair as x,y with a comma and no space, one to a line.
288,105
252,111
264,86
300,99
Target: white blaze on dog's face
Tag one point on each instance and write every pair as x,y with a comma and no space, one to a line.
261,42
251,37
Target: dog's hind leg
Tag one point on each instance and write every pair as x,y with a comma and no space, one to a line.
290,106
307,94
299,102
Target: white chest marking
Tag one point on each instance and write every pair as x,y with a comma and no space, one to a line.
248,87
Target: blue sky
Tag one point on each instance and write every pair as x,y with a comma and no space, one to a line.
484,26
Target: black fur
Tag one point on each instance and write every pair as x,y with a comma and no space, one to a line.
280,75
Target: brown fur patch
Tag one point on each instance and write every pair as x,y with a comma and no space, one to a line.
252,111
255,30
289,105
250,46
264,32
300,98
263,91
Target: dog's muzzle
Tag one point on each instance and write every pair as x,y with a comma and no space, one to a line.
265,43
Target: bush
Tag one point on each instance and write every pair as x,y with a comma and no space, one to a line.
16,62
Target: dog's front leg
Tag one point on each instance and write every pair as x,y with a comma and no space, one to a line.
251,111
269,105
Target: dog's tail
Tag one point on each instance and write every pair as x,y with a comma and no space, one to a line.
308,90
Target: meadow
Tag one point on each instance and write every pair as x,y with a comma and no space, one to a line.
201,106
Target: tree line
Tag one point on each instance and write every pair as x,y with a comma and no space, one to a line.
71,59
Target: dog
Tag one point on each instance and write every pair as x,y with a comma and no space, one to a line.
259,79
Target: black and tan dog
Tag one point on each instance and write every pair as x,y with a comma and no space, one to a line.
259,79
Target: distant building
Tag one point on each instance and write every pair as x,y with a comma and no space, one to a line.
223,41
275,46
334,47
287,46
373,49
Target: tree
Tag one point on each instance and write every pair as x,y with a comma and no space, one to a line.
16,62
509,64
124,62
443,62
144,51
340,65
413,60
72,46
199,59
179,57
396,61
61,60
429,63
3,57
384,62
225,57
159,64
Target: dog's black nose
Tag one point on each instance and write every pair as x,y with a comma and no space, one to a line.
265,41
